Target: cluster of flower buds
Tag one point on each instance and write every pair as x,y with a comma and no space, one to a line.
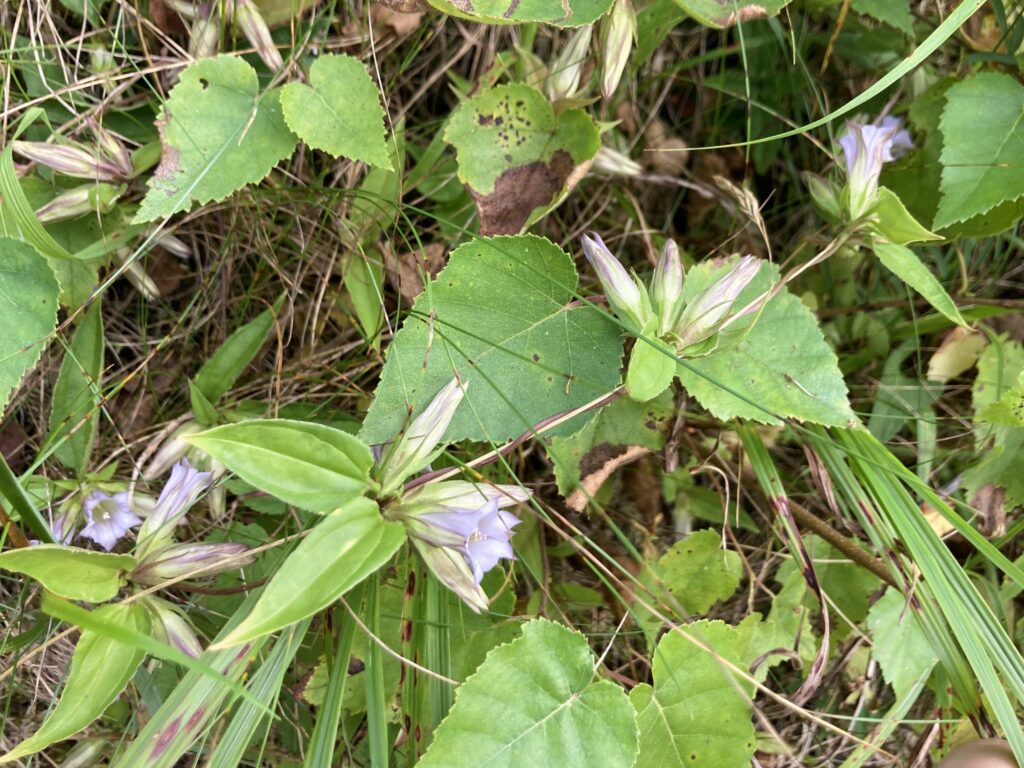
460,529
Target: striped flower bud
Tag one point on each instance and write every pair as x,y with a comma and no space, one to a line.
204,34
705,314
451,569
89,198
619,36
172,628
191,561
608,160
667,287
563,81
250,23
70,161
114,150
625,295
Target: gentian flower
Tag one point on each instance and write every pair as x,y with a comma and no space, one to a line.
176,560
628,297
706,312
414,448
866,148
109,516
483,534
667,287
178,495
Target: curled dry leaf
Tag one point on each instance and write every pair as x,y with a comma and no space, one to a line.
597,466
958,353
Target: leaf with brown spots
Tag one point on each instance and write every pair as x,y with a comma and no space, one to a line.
517,158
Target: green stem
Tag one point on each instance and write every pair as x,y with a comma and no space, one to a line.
376,707
15,494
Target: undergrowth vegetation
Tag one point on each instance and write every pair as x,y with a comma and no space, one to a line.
511,382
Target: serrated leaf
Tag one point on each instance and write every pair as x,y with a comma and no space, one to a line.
898,643
726,13
558,13
698,572
312,466
534,701
781,367
77,574
517,157
895,13
697,713
905,264
100,669
342,550
73,414
497,316
608,434
1008,411
28,304
339,111
983,147
219,134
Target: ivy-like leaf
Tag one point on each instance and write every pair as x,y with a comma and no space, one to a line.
339,111
534,701
780,367
696,713
726,13
28,304
497,316
982,147
516,157
218,135
558,13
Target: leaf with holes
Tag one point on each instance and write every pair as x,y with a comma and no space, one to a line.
534,701
339,111
219,134
499,317
778,367
558,13
697,713
516,157
28,304
982,147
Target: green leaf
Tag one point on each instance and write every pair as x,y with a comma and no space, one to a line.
895,13
781,367
652,366
698,573
905,264
516,157
609,433
497,316
342,550
895,223
363,276
534,701
100,669
1007,411
312,466
715,13
898,643
76,396
339,111
983,147
698,712
28,304
221,371
558,13
218,135
77,574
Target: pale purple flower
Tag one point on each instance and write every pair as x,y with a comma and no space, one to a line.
625,295
706,312
865,149
109,516
178,495
483,534
178,560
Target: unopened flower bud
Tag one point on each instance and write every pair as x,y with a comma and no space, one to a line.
563,79
137,275
249,21
171,628
619,35
707,311
413,449
89,198
451,569
667,287
114,150
204,35
612,161
824,194
190,560
628,298
175,245
172,451
69,161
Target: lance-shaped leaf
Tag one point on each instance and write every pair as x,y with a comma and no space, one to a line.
312,466
558,13
342,550
28,304
77,574
498,317
516,157
726,13
100,669
219,134
698,712
534,701
339,111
